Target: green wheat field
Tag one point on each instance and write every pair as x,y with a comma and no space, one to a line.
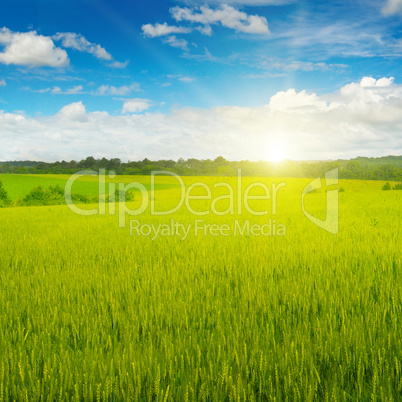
90,311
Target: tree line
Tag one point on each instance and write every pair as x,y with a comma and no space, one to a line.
385,168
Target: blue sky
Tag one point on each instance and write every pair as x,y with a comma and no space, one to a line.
248,79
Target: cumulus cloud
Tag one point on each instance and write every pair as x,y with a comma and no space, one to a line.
372,82
153,31
30,49
290,99
392,7
73,112
201,19
226,15
3,83
373,100
136,105
355,120
123,90
205,30
78,42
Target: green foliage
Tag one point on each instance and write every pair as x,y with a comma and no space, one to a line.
41,196
386,186
398,186
132,171
4,200
121,196
82,199
53,195
341,190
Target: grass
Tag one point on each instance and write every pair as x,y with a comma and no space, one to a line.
19,185
88,312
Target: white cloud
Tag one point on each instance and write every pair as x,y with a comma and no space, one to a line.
181,78
123,90
3,83
57,90
322,36
392,7
102,90
74,90
176,42
40,91
153,31
273,64
78,42
136,105
372,82
207,56
356,120
70,91
385,82
73,112
368,82
118,64
243,2
284,101
30,49
205,30
226,15
186,79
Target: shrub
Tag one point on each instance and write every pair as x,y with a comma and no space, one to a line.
120,195
386,186
37,196
80,199
53,195
398,186
55,192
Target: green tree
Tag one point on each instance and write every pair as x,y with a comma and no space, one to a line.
220,160
113,164
3,194
89,162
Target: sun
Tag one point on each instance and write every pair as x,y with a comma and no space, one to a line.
277,151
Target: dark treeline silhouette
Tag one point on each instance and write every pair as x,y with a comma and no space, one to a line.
385,168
